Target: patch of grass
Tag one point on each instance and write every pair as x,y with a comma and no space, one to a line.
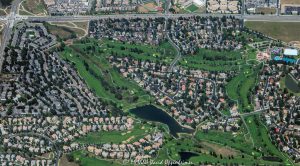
192,8
2,12
211,60
86,159
22,12
235,141
34,6
163,53
245,91
61,32
232,86
72,27
261,139
286,31
83,25
240,87
116,137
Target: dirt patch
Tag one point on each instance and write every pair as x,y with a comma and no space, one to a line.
218,149
266,10
64,162
150,5
141,9
295,44
35,6
290,2
128,140
83,25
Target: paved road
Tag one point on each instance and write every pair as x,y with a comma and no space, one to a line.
178,56
87,18
10,20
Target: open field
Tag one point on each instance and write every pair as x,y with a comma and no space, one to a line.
219,149
289,2
266,10
147,8
83,24
61,32
233,140
79,28
2,12
36,7
285,31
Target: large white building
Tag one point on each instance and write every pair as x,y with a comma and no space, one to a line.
290,52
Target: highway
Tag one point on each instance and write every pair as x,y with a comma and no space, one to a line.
10,20
282,18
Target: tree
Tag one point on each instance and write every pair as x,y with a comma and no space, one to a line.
5,2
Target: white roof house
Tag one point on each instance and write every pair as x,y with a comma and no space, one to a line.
290,52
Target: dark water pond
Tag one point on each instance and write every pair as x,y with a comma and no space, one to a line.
185,156
291,84
152,113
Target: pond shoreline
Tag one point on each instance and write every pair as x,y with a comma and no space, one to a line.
156,114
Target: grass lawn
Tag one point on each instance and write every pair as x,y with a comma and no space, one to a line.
239,88
211,60
192,8
86,159
232,86
286,31
236,141
245,90
163,53
224,144
116,137
261,139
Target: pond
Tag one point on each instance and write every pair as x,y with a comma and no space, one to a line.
291,84
152,113
185,156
